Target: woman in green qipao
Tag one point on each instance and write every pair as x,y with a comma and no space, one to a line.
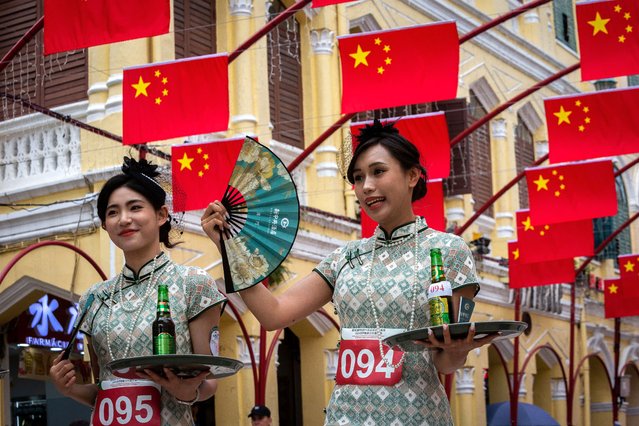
378,286
132,208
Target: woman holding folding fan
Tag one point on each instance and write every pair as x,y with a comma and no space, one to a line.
380,294
133,209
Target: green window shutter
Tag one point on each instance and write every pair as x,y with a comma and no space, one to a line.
565,23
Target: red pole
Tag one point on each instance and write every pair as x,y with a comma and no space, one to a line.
582,267
512,101
268,27
247,338
263,367
267,361
263,361
514,396
617,376
503,18
497,195
31,32
321,138
24,252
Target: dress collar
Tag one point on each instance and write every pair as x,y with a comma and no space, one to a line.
145,271
401,232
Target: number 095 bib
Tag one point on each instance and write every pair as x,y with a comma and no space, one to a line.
127,402
360,362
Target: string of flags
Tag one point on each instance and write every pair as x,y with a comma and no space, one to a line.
409,65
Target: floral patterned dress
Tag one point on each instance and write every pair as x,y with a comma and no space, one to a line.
418,398
191,292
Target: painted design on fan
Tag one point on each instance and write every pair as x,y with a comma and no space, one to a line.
246,266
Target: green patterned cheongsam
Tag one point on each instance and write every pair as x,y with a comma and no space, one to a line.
418,398
191,292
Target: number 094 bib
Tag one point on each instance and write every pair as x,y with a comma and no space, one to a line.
360,362
127,402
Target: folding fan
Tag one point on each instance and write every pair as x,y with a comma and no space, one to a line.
257,191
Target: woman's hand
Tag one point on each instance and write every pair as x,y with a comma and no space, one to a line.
452,352
213,220
181,388
62,372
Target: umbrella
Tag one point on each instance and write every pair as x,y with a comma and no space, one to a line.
498,414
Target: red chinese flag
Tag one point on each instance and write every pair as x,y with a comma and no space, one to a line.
429,133
383,69
322,3
430,207
76,24
177,98
617,303
565,240
598,124
201,172
569,192
608,38
629,273
522,274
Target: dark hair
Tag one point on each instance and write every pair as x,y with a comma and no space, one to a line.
139,177
397,145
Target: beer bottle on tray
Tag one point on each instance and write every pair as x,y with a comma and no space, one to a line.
440,292
163,326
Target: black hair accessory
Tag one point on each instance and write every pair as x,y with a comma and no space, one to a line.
376,130
131,167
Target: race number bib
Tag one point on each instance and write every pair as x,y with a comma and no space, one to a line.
360,361
127,402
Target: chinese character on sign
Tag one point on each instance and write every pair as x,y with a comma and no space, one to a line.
43,316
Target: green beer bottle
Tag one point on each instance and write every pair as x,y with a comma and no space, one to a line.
440,292
163,326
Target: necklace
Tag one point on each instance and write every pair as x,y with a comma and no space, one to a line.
150,286
369,292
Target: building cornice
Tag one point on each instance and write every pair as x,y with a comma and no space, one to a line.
500,42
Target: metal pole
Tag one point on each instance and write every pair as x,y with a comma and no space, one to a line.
321,138
485,119
497,195
268,27
617,378
24,252
570,392
31,32
514,395
503,18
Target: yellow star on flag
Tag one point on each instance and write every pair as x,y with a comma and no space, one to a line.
360,56
185,162
613,289
562,115
630,266
541,183
527,225
599,24
140,87
516,254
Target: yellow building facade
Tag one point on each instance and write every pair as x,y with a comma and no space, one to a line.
285,89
